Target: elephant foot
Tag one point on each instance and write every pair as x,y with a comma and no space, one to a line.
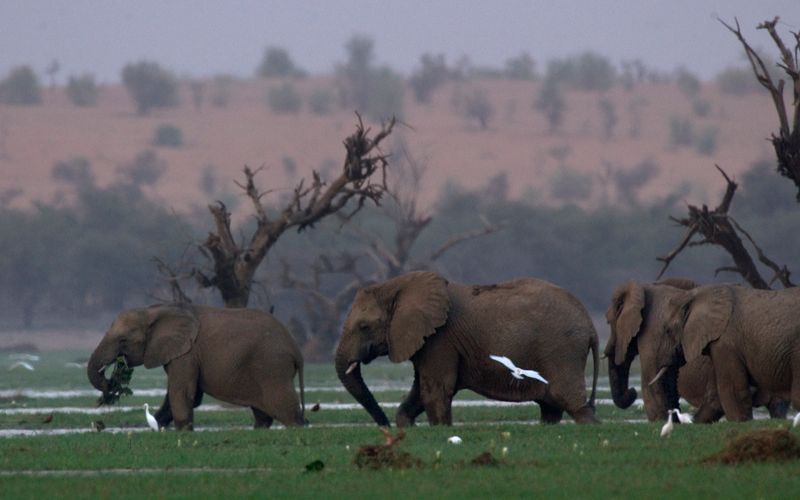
403,420
550,414
585,416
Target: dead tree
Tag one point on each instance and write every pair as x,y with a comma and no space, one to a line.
234,264
717,227
787,140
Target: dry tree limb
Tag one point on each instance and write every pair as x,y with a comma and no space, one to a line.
787,142
716,227
234,264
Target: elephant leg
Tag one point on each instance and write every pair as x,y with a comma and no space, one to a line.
778,408
182,391
164,414
550,414
437,398
282,403
263,421
708,413
733,385
571,397
411,407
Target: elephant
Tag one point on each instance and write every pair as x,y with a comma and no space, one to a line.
637,316
450,330
750,336
240,356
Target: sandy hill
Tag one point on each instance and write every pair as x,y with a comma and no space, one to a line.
517,141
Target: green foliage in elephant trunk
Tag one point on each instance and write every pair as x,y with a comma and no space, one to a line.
118,383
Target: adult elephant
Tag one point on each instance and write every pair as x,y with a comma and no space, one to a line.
638,315
752,338
241,356
449,330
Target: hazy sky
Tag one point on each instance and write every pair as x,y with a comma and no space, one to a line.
200,37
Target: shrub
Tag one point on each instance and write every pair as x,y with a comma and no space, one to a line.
551,104
478,107
701,107
145,169
431,75
375,91
284,99
588,72
705,141
168,135
82,90
321,101
278,63
221,90
681,131
687,82
77,171
570,185
20,87
738,81
521,67
150,86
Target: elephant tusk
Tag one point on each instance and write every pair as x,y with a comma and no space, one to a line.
660,373
352,367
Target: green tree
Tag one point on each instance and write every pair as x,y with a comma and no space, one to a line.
168,135
375,91
431,74
150,86
551,104
278,63
82,90
521,67
20,87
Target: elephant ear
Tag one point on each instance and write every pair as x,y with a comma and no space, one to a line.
706,315
625,317
171,333
420,306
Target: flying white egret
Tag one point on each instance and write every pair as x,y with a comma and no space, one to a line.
517,372
796,420
151,420
21,364
667,429
683,418
24,357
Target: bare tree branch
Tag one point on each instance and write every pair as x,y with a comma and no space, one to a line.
716,227
234,265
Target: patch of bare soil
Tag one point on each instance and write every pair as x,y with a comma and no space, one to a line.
764,445
386,455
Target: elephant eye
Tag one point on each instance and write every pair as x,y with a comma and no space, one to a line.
363,327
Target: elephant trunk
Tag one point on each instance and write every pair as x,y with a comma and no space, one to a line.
102,356
351,378
623,395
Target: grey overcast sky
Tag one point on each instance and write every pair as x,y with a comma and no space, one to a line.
202,37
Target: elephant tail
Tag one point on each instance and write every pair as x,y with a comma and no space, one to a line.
302,390
594,346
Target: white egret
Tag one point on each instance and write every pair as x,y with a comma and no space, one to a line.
667,429
151,420
796,420
454,440
21,364
517,372
683,418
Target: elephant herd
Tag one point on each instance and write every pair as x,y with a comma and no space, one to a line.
723,348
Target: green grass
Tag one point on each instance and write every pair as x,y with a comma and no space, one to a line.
561,461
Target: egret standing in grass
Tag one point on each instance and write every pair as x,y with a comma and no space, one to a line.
151,420
517,372
667,429
683,418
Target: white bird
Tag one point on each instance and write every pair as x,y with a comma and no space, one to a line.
517,372
21,364
667,429
24,357
796,420
454,440
683,418
151,420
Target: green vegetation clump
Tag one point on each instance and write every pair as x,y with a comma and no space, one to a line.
118,383
168,135
738,81
150,86
278,63
588,72
761,445
82,90
284,99
20,87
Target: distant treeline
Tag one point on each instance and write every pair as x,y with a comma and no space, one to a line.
84,257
